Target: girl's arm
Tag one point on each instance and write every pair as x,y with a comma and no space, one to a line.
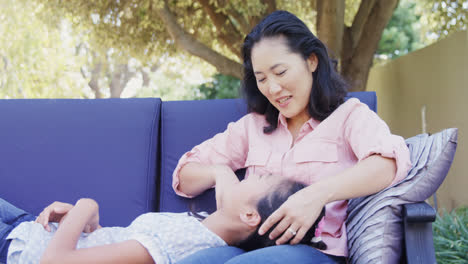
62,247
57,212
195,178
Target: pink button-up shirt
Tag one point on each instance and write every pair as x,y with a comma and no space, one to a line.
351,133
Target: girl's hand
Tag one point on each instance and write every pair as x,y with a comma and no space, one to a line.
57,212
93,222
224,176
294,217
53,213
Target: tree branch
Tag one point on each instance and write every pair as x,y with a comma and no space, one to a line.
187,42
271,6
83,73
5,62
228,34
360,19
254,20
240,19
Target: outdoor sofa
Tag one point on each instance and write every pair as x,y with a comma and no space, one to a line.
122,152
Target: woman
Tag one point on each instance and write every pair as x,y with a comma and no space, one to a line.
300,128
152,237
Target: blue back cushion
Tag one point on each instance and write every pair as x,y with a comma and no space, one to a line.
185,124
65,149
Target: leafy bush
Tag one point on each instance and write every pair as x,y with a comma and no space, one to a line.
451,237
222,86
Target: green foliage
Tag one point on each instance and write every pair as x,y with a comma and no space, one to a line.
38,58
177,78
451,237
444,17
401,34
34,60
222,86
415,24
135,27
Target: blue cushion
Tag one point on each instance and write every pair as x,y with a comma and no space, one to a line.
65,149
368,98
185,124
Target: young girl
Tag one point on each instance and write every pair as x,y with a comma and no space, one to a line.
152,237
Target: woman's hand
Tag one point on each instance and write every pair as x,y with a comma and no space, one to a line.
55,212
224,177
295,216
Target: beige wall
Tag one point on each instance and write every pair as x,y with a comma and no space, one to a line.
435,77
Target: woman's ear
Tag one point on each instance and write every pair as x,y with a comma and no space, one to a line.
250,218
312,62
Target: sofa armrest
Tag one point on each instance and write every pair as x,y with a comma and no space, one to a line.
419,244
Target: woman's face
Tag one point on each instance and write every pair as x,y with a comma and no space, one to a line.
283,77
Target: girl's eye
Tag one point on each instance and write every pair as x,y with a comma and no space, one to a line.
261,80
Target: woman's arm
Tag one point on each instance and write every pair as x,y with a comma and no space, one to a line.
383,159
369,176
62,247
301,210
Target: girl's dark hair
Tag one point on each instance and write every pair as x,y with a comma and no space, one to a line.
266,206
328,88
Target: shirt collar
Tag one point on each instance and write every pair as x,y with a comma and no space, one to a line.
282,120
311,122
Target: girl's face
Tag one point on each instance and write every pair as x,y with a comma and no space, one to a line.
247,192
283,77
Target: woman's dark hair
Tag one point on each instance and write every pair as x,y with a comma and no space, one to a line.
328,88
266,206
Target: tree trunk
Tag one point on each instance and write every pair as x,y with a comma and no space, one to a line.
94,82
120,77
362,38
330,21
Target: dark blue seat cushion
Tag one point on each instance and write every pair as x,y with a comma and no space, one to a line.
65,149
185,124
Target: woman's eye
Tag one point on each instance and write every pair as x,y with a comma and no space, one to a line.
281,73
261,80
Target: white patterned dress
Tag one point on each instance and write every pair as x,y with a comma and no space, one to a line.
168,237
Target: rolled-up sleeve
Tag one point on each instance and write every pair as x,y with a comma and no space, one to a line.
227,148
368,134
